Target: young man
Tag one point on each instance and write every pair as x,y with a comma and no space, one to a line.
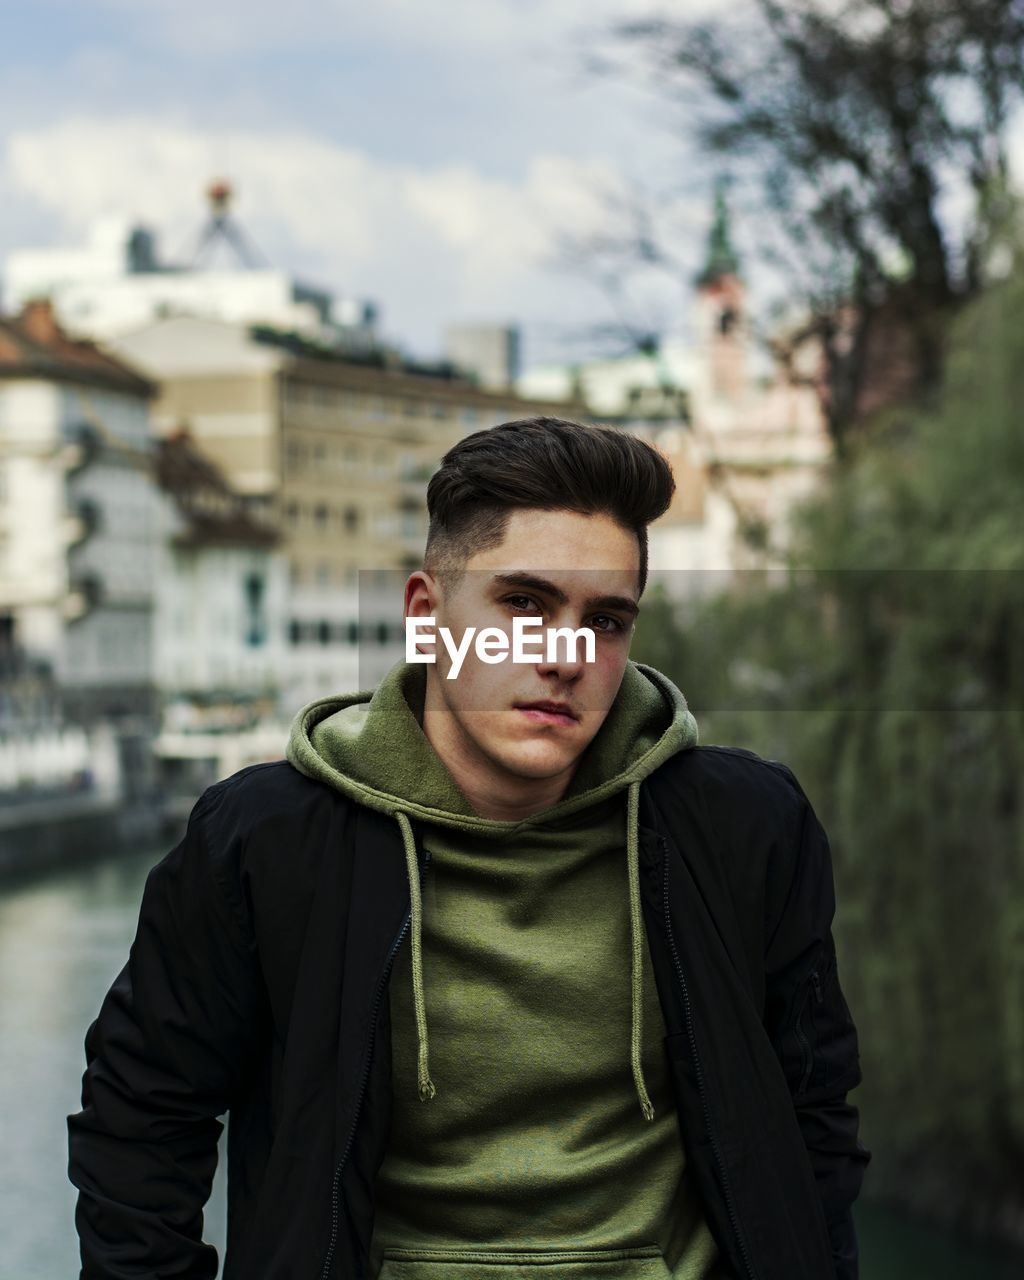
499,975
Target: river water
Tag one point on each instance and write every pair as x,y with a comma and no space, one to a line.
63,939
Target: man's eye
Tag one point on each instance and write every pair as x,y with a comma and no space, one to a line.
615,624
610,626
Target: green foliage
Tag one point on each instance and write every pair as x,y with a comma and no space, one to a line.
889,673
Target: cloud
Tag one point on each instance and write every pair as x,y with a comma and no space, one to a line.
434,243
461,26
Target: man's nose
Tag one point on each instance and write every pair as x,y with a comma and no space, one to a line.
568,651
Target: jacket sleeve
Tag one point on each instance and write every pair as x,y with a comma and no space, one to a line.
810,1024
172,1041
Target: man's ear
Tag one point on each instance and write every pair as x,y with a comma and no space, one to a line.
422,596
421,593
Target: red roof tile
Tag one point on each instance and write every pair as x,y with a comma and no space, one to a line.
33,345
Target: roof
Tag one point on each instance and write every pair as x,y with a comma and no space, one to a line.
722,259
213,512
315,362
33,345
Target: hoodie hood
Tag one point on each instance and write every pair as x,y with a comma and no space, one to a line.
371,747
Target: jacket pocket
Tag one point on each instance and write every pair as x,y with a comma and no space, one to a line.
643,1262
805,1034
820,1043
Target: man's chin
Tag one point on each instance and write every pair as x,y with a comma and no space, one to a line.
537,762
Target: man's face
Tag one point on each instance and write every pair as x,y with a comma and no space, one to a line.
568,570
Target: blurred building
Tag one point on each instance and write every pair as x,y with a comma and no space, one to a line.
220,628
744,431
336,448
757,417
487,353
648,394
118,281
219,624
78,539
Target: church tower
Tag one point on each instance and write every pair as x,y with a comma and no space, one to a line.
721,309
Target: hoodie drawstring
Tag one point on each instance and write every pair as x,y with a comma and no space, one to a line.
637,943
426,1085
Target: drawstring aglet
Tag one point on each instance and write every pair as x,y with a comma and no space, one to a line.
427,1089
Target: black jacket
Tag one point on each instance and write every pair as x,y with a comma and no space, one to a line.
257,984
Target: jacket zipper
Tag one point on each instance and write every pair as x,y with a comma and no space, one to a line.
699,1071
378,996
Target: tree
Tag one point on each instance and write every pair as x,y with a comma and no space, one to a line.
889,673
860,122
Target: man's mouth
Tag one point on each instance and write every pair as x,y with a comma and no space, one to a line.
548,712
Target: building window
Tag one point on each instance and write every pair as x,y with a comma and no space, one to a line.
256,626
323,575
351,519
323,630
295,631
293,514
352,632
320,516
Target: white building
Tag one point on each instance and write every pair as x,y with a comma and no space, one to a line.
78,541
222,598
116,282
128,566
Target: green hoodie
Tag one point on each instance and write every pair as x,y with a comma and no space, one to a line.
527,1153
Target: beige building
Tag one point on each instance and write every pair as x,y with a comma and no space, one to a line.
337,450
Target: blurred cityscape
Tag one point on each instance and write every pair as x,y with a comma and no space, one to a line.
204,462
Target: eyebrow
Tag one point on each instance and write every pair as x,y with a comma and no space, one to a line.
533,583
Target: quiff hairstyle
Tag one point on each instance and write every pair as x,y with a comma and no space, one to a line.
548,464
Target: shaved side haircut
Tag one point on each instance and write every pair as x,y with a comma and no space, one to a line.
549,464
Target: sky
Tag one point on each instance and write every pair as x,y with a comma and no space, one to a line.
433,158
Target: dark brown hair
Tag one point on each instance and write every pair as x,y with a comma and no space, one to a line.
549,464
